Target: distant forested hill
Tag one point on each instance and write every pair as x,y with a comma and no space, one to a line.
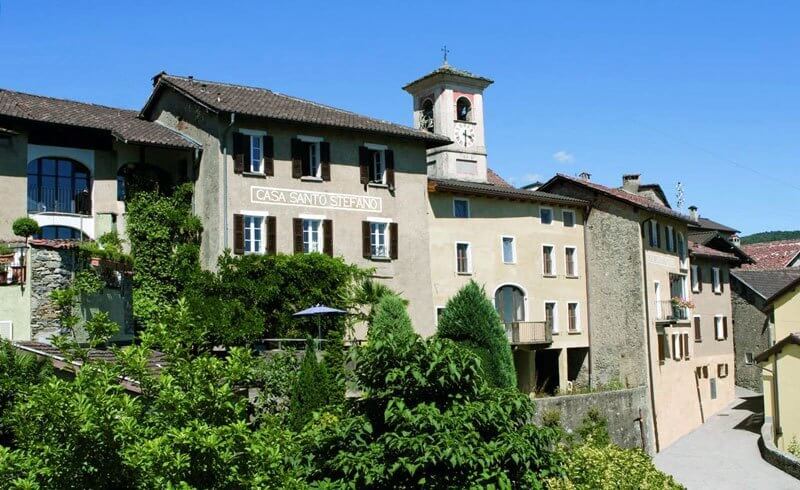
770,236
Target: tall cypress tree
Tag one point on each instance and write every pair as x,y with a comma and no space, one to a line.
390,318
470,319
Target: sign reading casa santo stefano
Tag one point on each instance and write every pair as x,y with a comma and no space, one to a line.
312,199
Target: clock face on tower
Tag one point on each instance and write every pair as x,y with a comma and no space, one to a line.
465,135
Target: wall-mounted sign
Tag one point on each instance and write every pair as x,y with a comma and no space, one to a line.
312,199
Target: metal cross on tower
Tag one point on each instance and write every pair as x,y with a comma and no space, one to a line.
445,51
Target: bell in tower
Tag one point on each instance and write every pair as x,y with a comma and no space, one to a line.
449,102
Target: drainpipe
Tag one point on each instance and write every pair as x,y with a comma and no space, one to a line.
224,143
647,331
587,210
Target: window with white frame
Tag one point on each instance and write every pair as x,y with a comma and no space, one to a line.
670,242
749,358
719,327
548,260
312,235
681,246
569,218
546,215
695,279
571,258
256,153
677,346
573,317
379,239
551,316
657,294
377,171
653,233
310,148
253,234
715,277
463,259
461,208
509,250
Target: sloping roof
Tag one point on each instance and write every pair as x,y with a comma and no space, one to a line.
656,188
619,194
123,124
495,179
700,250
772,255
261,102
447,70
499,191
793,338
767,283
707,224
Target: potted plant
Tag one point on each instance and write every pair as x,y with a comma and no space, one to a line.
6,254
25,227
679,302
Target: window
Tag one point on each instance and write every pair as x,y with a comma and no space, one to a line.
546,215
312,239
720,327
426,118
256,153
551,316
379,243
312,167
698,331
715,277
377,171
573,317
677,347
663,348
463,109
657,294
569,218
509,250
681,246
695,279
461,208
463,259
670,236
60,233
652,233
439,313
722,370
749,358
548,261
253,234
309,160
571,257
58,185
509,301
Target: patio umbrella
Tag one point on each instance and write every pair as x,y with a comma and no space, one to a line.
319,310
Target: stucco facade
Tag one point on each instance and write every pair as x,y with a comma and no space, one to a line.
781,396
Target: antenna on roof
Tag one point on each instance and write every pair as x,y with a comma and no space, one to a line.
679,197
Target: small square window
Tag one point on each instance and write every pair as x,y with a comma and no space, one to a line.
546,215
509,252
569,218
460,208
749,358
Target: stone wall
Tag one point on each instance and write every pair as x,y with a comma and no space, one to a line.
750,334
782,460
627,412
51,269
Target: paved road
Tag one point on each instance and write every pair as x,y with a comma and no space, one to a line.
723,452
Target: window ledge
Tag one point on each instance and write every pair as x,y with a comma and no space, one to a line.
698,341
574,332
509,263
378,258
550,275
465,122
378,185
308,178
254,174
464,273
573,277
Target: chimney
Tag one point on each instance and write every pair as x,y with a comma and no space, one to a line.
630,183
585,176
736,240
693,212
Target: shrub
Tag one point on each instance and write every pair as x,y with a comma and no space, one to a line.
470,319
594,429
25,227
19,373
551,418
275,375
390,318
314,389
5,249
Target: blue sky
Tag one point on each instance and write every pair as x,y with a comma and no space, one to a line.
677,91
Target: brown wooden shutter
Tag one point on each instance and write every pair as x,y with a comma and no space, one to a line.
241,157
269,155
698,332
363,164
393,240
238,234
658,235
674,240
272,235
297,233
700,278
661,348
366,242
297,158
724,327
685,345
389,155
325,160
327,238
721,280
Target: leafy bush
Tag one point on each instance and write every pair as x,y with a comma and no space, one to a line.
429,419
391,318
470,319
275,377
19,373
315,388
594,428
25,227
5,249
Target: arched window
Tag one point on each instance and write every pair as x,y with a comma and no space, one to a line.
426,120
136,177
510,303
59,185
463,109
60,233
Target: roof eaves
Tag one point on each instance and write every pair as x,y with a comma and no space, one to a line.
792,338
783,290
749,286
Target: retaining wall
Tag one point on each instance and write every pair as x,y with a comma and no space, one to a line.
782,460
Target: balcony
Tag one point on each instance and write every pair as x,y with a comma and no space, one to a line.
666,311
58,200
526,333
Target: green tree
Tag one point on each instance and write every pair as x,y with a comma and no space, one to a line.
390,317
314,389
19,373
469,318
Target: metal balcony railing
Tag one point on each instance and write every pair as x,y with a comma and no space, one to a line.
58,200
666,311
520,333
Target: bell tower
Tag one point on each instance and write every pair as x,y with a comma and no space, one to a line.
449,102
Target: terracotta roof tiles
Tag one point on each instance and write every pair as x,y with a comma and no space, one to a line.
772,255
